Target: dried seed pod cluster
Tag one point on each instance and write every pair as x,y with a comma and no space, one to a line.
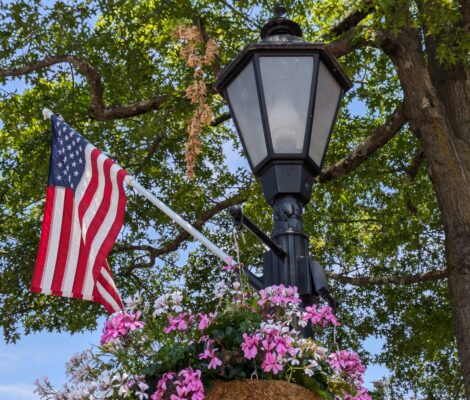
197,54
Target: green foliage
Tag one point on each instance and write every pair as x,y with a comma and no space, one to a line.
375,221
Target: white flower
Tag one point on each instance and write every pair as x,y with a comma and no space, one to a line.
161,305
236,285
105,384
308,372
176,297
177,309
141,392
294,361
117,377
302,323
133,302
121,383
313,364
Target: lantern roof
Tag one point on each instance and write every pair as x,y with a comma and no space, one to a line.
281,36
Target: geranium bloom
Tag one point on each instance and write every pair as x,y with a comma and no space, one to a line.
188,385
320,316
121,383
348,363
132,321
178,323
119,326
161,386
141,392
362,395
205,320
249,346
210,354
278,295
270,364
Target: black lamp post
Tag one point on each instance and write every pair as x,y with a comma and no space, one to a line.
284,94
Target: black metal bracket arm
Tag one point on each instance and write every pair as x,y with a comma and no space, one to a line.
255,281
241,219
292,267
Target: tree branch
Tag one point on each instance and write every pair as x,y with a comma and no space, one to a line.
97,109
413,168
221,118
353,18
389,279
379,137
173,245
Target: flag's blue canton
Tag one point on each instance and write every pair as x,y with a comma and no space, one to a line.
68,155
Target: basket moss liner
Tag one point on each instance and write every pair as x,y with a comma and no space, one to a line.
258,390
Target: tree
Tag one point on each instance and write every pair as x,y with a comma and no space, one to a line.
389,218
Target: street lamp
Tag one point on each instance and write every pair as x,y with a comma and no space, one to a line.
283,94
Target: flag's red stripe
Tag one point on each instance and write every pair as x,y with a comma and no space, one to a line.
110,289
44,242
115,226
100,299
92,185
62,254
92,230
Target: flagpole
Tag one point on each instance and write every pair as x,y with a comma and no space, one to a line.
131,181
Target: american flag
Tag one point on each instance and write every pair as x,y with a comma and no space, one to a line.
84,211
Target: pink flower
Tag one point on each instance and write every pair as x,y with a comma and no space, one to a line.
119,326
161,386
188,385
214,363
270,364
249,346
178,323
348,363
210,354
278,295
132,321
205,320
362,395
320,316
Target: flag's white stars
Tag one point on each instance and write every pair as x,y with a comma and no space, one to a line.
69,147
74,164
59,177
77,152
60,164
66,138
71,185
80,161
71,155
75,173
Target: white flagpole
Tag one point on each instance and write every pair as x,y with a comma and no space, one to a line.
131,181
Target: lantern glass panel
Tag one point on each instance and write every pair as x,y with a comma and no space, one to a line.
287,83
243,99
327,98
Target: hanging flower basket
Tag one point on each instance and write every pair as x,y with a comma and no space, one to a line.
259,390
247,348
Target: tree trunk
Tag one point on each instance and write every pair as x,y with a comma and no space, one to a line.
437,106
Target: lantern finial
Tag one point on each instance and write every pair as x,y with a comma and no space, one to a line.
279,11
281,25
